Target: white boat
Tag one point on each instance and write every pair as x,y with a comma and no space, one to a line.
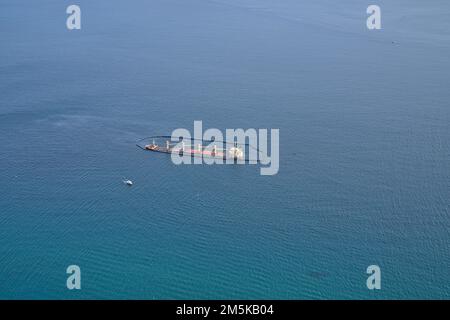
128,182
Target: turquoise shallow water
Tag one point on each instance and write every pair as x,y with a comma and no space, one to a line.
364,150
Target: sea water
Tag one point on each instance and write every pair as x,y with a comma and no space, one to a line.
364,149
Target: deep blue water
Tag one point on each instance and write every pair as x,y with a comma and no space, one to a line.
364,124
